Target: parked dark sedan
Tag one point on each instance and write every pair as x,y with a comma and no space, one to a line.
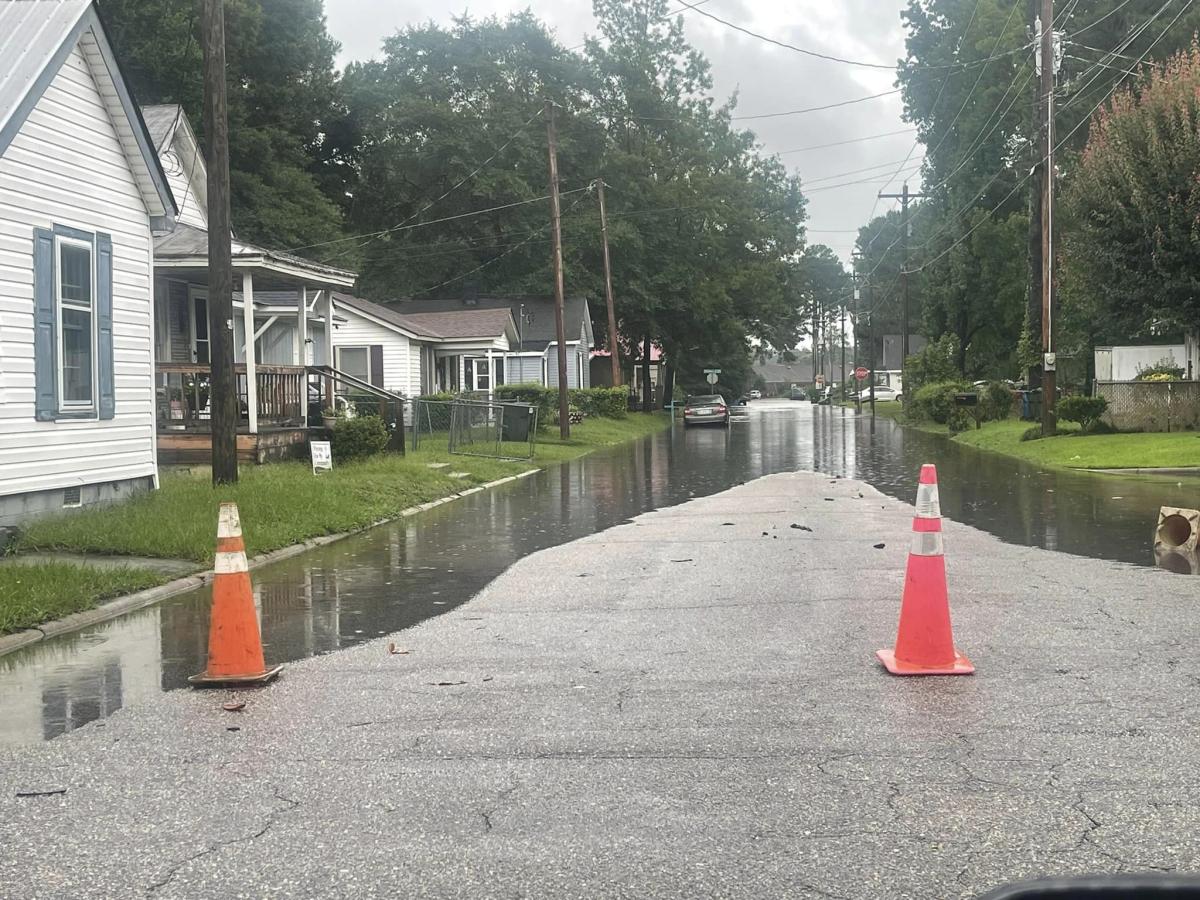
709,409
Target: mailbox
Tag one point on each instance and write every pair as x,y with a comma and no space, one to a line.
966,399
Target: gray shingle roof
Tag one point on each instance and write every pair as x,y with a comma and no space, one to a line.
160,121
385,314
464,323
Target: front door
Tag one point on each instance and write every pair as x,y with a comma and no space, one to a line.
198,304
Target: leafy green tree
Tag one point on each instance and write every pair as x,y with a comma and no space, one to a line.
1132,258
285,177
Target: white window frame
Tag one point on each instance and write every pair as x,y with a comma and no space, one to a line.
64,405
365,348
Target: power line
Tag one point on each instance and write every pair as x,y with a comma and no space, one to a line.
858,140
813,53
1065,138
1115,9
496,259
479,168
858,171
932,109
962,209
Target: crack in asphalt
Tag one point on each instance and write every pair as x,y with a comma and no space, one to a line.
486,814
272,818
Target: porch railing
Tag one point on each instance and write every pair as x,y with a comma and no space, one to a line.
182,393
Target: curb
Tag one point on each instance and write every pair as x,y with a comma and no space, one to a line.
128,603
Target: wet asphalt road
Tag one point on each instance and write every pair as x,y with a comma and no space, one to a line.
686,705
398,575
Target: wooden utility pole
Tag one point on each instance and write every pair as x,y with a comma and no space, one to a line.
564,413
1047,63
843,338
613,345
223,397
904,196
871,342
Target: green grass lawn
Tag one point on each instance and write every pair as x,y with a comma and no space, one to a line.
284,503
1090,451
38,592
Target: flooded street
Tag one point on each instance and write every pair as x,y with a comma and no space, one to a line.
397,575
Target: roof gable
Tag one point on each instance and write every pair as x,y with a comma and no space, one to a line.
36,38
178,151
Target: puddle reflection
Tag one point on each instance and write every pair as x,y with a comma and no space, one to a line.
397,575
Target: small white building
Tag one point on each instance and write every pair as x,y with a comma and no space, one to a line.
82,193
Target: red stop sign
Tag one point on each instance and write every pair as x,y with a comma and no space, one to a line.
861,373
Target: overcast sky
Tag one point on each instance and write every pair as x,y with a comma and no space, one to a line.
767,78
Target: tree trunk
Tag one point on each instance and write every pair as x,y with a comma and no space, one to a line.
647,387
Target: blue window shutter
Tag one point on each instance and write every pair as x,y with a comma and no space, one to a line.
104,325
45,338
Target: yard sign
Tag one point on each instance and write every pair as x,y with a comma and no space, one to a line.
322,456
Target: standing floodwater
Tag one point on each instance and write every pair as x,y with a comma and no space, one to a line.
397,575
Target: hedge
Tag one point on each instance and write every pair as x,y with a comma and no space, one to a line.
935,401
603,402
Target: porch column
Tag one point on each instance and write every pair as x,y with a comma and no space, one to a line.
329,361
299,356
491,366
251,374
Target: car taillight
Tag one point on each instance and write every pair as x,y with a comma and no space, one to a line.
687,410
720,409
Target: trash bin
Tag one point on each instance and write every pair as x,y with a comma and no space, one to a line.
1031,405
518,418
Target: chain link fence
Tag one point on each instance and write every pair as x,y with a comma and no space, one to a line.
1152,406
469,427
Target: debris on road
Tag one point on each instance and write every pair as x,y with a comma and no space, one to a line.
234,705
51,792
801,527
395,651
879,546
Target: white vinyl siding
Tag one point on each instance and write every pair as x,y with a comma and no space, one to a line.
524,370
572,366
66,167
401,358
185,174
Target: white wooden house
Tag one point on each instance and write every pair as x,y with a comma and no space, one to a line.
81,192
282,300
531,354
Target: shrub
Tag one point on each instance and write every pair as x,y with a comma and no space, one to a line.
359,438
961,419
1163,370
1084,410
995,401
440,397
935,402
1032,434
936,363
606,402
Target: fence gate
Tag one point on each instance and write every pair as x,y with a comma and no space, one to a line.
476,428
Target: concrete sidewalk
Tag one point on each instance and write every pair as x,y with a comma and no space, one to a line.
684,706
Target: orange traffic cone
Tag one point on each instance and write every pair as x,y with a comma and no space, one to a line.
924,642
235,654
